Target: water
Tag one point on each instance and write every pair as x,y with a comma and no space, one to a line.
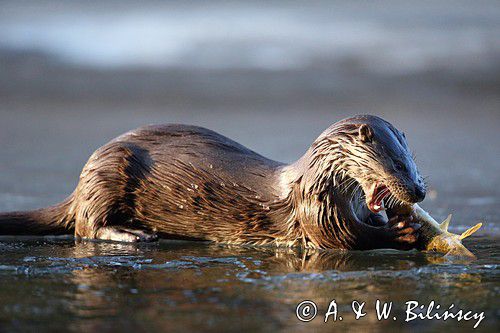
56,284
49,285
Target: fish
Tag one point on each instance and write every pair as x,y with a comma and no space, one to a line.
435,237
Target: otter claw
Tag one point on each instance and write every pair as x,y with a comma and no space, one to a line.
399,225
407,239
409,230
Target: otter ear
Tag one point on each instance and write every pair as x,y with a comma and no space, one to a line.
365,133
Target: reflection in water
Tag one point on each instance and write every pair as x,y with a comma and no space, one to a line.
172,286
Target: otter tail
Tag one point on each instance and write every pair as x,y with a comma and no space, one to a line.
53,220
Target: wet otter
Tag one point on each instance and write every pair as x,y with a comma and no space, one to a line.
187,182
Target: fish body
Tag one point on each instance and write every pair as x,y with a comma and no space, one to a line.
435,236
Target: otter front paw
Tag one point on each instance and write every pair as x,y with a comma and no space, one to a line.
402,232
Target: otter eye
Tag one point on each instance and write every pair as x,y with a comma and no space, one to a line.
400,166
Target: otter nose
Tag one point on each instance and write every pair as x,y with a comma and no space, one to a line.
420,193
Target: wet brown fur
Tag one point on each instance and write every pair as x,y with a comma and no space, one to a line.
187,182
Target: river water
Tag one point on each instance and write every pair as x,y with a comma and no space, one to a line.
271,76
59,285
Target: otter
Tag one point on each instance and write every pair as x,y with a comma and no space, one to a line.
186,182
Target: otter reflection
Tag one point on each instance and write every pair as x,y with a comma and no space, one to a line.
271,258
314,260
179,278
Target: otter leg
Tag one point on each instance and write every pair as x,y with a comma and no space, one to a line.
120,234
106,196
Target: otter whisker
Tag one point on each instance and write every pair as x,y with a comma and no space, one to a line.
381,194
387,201
391,201
394,202
347,183
355,191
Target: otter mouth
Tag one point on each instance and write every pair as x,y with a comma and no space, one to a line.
376,196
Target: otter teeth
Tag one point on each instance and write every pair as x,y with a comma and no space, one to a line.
377,197
380,207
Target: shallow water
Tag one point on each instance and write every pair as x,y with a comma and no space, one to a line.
59,284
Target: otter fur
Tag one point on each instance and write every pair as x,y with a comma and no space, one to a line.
188,182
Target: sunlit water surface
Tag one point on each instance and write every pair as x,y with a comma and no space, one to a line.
51,284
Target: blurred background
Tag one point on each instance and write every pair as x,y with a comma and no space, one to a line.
270,75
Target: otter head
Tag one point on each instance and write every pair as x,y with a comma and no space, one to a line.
377,156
